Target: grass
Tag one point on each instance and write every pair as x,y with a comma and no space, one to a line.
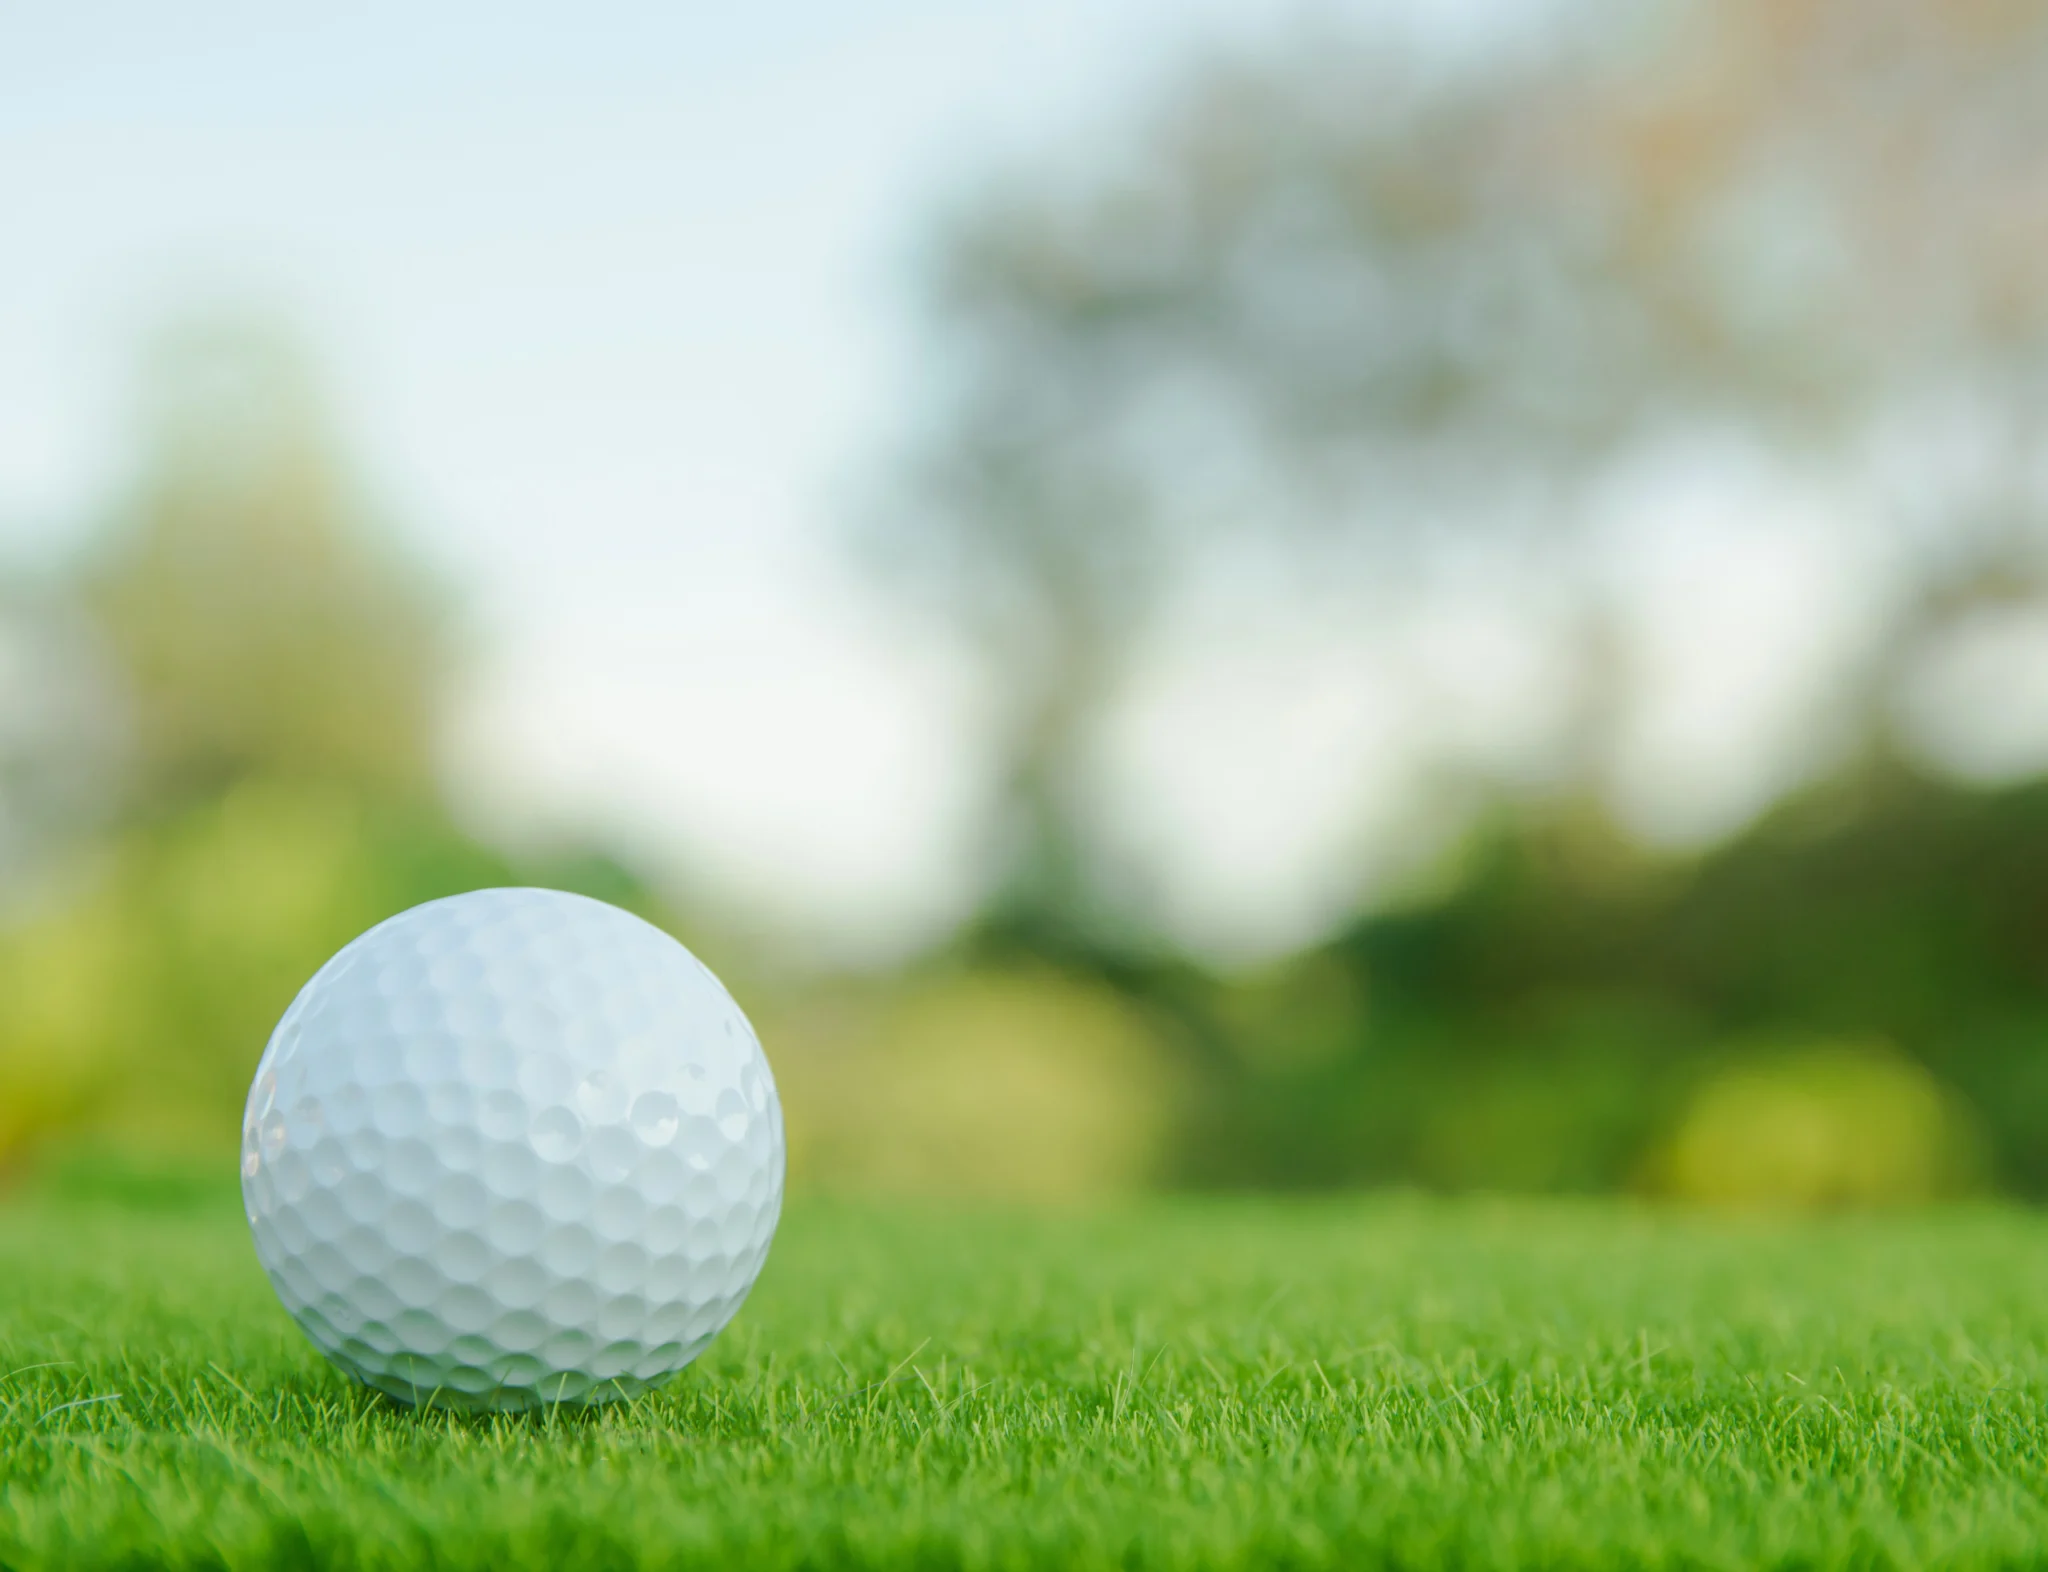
1179,1384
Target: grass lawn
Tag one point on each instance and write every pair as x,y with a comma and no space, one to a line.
1178,1384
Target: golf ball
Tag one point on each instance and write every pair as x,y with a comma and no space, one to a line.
512,1148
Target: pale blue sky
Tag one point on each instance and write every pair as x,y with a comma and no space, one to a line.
613,303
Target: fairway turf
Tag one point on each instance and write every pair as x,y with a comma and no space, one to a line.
1174,1384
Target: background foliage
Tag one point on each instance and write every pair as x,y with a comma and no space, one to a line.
1324,309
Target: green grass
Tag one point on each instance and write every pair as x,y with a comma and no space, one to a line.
1183,1384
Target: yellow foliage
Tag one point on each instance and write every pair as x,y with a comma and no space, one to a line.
246,880
246,897
67,1006
1831,1125
1006,1085
139,999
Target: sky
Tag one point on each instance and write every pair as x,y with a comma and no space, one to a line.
614,306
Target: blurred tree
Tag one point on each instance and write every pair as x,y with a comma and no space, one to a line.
60,736
1342,301
258,623
1865,183
276,664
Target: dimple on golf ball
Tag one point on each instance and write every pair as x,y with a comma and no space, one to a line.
512,1148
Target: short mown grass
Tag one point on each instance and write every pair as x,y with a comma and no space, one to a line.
1352,1383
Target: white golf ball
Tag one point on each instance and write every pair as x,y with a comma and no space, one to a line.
512,1148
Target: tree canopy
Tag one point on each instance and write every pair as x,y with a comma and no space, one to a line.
257,619
1338,298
